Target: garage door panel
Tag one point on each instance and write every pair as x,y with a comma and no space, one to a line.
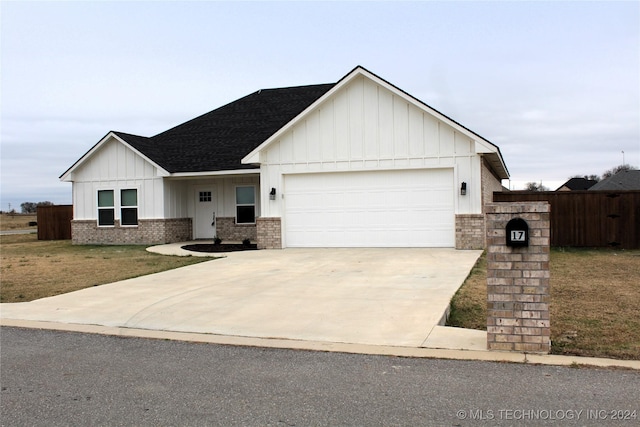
407,208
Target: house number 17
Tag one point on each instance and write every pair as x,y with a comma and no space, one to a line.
517,236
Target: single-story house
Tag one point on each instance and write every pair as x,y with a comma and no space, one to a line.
357,163
576,184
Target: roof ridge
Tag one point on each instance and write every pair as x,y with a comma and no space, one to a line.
117,132
294,87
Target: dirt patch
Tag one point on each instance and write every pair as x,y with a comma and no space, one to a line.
222,247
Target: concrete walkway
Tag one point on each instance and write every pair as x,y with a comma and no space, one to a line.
14,232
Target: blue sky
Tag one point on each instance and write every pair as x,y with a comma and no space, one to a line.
556,85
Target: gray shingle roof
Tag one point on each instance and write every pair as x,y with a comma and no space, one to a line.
623,180
219,139
578,184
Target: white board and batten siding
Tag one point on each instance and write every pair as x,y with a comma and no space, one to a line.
367,133
116,167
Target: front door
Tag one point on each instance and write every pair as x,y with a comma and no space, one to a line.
204,226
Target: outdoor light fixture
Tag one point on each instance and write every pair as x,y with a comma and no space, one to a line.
463,189
272,194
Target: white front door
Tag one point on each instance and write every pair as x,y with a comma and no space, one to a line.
204,224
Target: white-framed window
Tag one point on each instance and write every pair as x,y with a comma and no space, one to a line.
106,208
129,206
125,202
246,204
205,196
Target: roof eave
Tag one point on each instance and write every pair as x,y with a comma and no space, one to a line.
492,153
214,173
497,164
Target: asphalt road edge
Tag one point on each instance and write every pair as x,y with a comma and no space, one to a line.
412,352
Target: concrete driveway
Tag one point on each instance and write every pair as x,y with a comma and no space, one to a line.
391,297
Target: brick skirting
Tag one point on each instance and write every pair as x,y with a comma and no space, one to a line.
470,231
147,232
228,230
269,233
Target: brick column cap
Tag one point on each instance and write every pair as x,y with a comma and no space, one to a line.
521,207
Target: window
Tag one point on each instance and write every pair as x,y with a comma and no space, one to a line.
129,207
106,208
245,205
205,196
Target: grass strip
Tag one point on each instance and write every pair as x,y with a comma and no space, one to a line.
595,302
31,269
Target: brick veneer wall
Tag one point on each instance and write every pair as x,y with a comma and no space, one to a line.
228,230
269,233
518,280
148,232
470,232
489,183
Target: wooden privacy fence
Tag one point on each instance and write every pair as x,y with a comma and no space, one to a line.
588,218
54,222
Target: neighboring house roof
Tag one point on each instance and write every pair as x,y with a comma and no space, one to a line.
577,184
229,138
623,180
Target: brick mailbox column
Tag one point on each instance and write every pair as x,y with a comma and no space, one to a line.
518,279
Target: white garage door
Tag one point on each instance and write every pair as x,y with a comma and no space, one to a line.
405,208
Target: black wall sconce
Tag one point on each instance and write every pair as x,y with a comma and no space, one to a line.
463,189
272,194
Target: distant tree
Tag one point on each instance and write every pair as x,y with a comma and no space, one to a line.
534,186
28,207
31,207
617,169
